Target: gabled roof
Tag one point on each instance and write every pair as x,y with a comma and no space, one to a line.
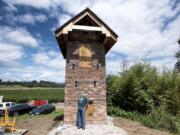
80,14
89,21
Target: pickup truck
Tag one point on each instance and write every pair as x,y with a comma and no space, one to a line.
4,105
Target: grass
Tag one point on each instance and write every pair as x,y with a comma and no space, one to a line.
50,94
157,119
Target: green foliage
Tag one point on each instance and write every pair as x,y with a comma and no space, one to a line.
115,111
146,95
158,118
22,96
141,88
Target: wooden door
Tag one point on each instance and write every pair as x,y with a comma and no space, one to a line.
85,55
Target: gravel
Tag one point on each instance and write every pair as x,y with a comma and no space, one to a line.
95,129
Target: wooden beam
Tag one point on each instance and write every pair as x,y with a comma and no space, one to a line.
86,28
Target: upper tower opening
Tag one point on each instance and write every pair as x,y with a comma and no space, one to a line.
87,21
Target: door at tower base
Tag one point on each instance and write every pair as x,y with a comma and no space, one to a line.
84,41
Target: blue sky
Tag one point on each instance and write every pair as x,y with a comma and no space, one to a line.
147,29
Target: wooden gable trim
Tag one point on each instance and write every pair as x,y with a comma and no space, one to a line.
85,12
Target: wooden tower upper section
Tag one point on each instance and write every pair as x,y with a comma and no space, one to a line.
85,21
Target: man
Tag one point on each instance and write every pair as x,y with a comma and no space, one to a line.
81,120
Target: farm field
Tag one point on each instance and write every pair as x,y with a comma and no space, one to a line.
19,87
26,94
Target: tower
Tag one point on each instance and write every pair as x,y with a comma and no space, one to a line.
84,41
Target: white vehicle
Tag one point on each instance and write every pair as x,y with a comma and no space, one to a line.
4,105
1,98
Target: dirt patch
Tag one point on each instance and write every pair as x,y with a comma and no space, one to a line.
136,128
39,126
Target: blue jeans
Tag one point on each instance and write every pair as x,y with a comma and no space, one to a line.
81,120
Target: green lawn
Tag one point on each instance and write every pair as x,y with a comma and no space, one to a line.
51,94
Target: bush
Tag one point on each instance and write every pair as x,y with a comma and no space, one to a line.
160,119
142,93
115,111
141,88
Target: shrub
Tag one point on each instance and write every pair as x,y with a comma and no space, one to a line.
142,87
160,119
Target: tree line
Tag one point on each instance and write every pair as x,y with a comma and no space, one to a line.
33,83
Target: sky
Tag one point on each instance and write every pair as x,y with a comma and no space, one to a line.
147,29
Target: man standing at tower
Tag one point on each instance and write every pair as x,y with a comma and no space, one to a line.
81,112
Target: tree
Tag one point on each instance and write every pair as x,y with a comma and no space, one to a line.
142,88
177,55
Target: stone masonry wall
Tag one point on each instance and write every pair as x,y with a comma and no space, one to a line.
84,79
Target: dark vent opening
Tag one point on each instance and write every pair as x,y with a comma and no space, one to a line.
94,83
97,66
73,66
76,83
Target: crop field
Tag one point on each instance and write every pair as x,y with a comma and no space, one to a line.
51,94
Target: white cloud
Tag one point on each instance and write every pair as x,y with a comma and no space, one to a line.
12,41
160,64
10,8
63,19
27,18
49,65
41,58
33,3
10,52
53,53
18,36
67,5
49,59
115,66
41,18
29,73
30,19
138,23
